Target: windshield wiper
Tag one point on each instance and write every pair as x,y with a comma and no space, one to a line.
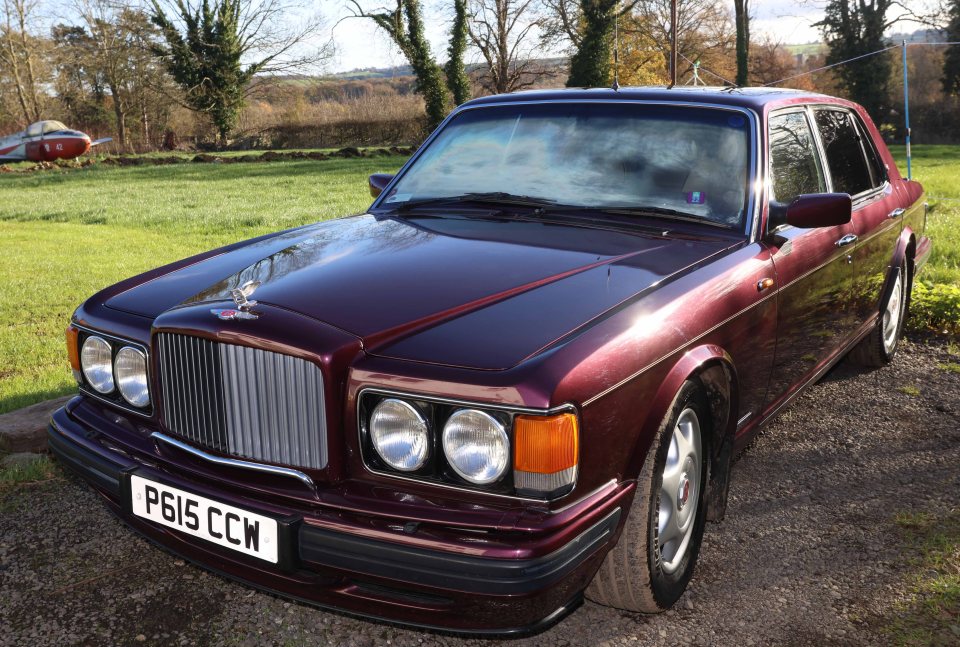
491,197
661,212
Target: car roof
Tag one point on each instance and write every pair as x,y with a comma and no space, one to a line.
755,98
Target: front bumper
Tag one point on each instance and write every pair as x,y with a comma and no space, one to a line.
324,565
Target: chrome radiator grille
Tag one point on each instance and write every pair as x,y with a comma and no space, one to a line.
243,401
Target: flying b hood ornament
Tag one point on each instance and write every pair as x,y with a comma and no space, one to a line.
241,296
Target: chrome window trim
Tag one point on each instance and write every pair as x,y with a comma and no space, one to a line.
751,224
125,406
233,462
567,407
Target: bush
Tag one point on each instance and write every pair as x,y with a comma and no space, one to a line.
935,306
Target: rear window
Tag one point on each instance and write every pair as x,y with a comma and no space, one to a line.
844,151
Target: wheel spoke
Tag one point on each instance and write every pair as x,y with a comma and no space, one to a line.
680,435
671,481
669,532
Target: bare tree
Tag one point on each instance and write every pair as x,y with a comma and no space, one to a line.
214,49
704,33
501,30
110,55
561,22
770,62
20,56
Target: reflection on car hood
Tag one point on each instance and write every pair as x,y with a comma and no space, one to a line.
460,291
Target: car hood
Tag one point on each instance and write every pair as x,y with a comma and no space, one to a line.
469,292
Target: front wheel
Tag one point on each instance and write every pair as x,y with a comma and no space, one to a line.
649,568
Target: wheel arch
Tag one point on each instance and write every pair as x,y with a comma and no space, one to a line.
903,253
713,368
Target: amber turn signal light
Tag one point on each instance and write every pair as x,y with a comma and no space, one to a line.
546,453
73,350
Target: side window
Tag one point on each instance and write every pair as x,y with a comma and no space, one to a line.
877,168
794,165
841,143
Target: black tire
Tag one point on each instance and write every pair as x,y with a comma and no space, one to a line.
633,574
875,350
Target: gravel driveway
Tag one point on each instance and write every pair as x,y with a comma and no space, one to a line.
809,552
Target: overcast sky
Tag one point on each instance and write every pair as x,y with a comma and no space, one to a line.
360,45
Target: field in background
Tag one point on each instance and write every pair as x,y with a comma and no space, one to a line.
938,169
66,234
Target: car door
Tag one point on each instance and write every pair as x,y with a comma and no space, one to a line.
855,168
814,267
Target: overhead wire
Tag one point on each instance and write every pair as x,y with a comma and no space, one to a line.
827,67
708,71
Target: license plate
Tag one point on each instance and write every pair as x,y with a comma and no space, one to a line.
219,523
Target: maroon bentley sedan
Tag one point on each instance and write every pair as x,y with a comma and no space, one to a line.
521,376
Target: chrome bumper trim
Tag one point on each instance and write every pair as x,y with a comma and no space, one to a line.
232,462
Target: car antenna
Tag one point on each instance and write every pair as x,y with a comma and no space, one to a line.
616,47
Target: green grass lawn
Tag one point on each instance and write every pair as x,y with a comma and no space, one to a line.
929,612
66,234
938,169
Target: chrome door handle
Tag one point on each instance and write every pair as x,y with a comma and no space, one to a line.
896,213
846,240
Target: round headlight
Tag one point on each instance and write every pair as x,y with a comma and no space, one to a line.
95,360
399,434
130,368
476,446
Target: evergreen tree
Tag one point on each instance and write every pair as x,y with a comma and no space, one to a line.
205,59
457,79
853,28
951,60
590,65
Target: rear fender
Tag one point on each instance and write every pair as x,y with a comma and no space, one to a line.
901,255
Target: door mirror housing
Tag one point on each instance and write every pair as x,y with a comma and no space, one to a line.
378,182
811,210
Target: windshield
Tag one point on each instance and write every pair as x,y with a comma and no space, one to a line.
672,159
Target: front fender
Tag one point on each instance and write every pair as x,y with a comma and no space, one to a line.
693,363
713,367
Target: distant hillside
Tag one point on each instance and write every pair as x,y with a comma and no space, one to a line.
807,49
374,73
405,70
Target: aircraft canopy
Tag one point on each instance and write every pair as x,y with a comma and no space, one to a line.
44,127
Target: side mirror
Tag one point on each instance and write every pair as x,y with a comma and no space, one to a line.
811,210
378,182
